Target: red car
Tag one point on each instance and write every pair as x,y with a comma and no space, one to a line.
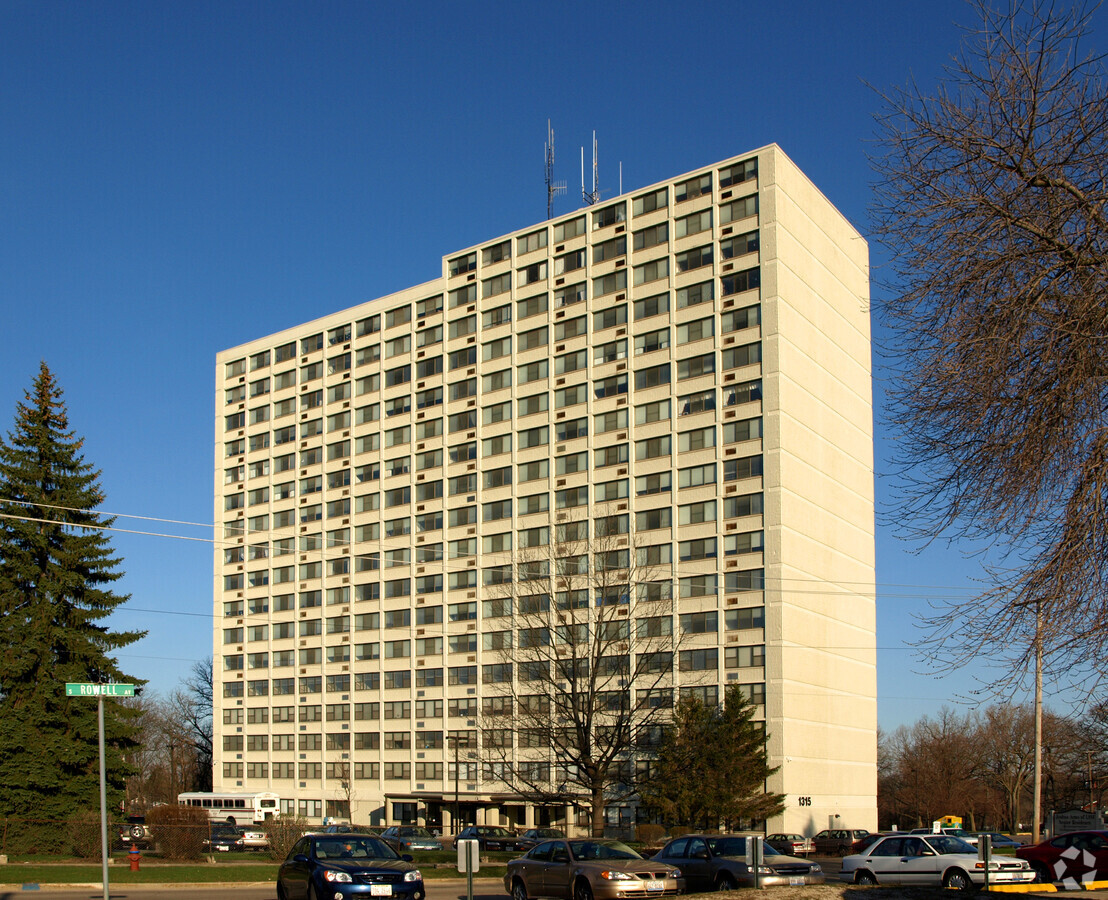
1074,858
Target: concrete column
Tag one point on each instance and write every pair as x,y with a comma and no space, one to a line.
528,816
481,816
447,820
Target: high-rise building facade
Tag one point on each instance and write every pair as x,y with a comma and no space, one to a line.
656,408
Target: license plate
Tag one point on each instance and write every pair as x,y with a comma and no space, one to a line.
795,881
223,849
380,890
655,885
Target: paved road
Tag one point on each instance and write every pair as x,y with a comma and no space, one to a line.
437,889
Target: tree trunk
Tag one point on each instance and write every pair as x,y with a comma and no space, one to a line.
598,811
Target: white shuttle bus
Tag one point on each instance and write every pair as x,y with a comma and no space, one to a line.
237,809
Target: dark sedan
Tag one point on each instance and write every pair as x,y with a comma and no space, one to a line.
837,841
333,867
224,838
533,836
490,837
405,838
717,862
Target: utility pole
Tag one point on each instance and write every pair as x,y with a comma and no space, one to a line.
1038,789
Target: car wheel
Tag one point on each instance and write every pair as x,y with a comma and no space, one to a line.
582,890
136,831
957,880
726,883
865,878
519,890
844,850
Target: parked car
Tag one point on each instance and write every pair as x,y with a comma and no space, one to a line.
341,828
135,831
790,844
255,839
717,862
966,836
224,838
489,837
534,836
589,870
930,860
330,866
405,838
1002,841
837,841
1077,857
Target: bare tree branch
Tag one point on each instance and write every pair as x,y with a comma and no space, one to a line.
992,201
587,674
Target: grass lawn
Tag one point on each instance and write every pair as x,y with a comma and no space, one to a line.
158,872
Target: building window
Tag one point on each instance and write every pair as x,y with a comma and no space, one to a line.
738,209
694,187
746,280
696,223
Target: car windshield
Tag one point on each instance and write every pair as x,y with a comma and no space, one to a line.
414,832
495,831
946,843
597,850
354,848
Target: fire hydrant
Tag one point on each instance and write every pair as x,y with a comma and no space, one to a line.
134,856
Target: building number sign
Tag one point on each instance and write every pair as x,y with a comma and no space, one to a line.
803,801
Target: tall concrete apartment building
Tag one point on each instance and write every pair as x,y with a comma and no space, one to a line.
677,378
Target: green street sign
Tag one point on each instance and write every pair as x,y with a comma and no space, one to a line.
80,689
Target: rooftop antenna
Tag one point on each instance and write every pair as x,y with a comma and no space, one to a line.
594,196
553,188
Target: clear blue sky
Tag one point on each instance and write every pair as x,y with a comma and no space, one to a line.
178,178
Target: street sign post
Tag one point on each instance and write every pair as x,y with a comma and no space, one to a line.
100,691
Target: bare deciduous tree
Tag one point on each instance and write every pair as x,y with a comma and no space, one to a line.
175,746
979,766
587,654
992,202
193,708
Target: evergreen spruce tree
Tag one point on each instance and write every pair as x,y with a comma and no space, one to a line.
712,766
56,569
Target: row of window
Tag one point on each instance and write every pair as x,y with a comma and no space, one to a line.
694,660
644,378
535,671
686,333
690,296
568,562
603,217
658,663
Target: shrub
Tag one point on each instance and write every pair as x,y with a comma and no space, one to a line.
84,834
650,834
179,831
283,832
677,830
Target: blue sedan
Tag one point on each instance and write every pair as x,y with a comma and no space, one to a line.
335,867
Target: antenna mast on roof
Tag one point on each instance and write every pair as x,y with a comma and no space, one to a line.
594,196
553,188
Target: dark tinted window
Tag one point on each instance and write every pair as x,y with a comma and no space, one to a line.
889,847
